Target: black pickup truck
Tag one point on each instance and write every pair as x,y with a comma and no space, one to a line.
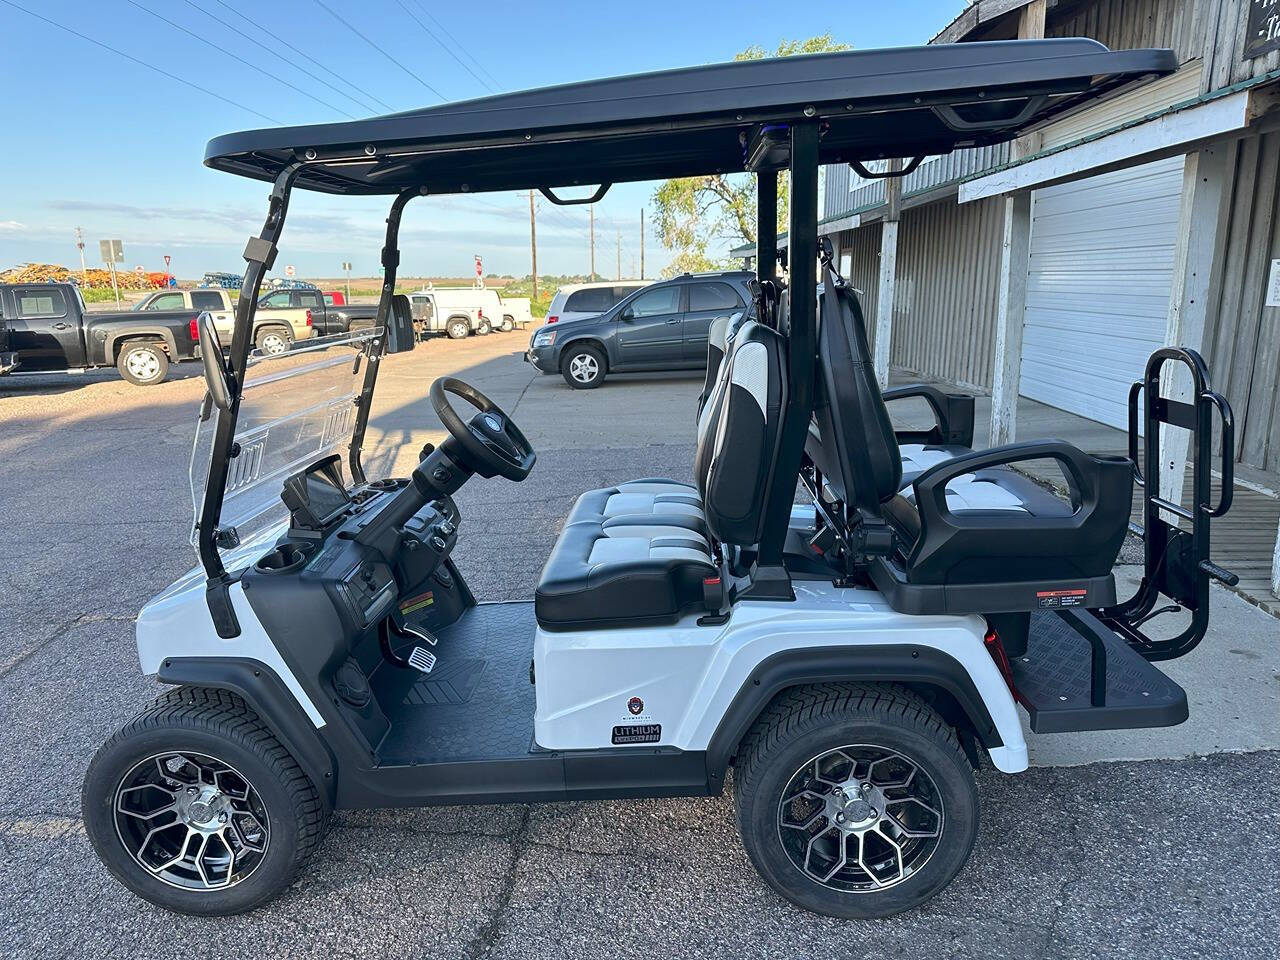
44,327
326,319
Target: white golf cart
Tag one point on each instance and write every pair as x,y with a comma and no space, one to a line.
852,658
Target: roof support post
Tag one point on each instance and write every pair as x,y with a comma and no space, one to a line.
1015,254
888,271
766,225
769,577
259,254
390,263
1201,227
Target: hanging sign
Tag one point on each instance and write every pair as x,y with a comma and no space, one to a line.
1262,32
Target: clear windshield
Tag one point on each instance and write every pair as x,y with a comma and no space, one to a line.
296,407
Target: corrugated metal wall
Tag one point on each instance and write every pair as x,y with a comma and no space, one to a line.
1244,351
944,306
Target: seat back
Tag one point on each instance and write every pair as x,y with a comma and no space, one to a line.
717,344
721,334
746,436
854,431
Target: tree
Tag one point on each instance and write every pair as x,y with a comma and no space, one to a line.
694,215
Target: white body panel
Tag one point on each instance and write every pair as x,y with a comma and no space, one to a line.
176,623
687,676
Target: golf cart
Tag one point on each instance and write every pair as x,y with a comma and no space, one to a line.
852,657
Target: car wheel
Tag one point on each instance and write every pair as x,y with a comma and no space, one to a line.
855,801
195,806
508,324
483,328
272,340
458,329
143,364
583,367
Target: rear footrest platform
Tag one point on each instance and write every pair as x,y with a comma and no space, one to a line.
1065,688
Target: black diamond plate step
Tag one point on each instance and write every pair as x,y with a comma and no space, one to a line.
1053,679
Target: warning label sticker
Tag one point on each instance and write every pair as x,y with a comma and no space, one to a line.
1060,598
637,733
417,603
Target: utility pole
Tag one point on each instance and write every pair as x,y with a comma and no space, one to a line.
591,209
84,273
346,268
619,273
642,243
533,244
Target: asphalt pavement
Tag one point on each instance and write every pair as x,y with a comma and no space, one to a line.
1167,849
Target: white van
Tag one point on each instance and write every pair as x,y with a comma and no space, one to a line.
576,300
456,311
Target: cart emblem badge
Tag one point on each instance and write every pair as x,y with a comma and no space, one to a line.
635,706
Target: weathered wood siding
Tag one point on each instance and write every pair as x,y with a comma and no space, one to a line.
1213,30
1243,349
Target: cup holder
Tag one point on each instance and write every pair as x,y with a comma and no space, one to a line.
285,558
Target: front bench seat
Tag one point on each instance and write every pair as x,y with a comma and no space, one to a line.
640,568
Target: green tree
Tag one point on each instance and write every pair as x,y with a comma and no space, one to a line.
695,214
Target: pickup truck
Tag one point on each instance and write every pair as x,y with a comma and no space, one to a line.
273,330
326,319
47,329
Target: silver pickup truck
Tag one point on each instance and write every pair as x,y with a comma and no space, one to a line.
273,330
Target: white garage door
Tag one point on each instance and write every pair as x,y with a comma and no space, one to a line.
1098,291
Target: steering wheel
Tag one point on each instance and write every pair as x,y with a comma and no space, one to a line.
491,443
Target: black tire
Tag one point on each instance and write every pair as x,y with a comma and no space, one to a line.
508,324
458,329
274,339
583,367
143,363
211,724
798,732
484,328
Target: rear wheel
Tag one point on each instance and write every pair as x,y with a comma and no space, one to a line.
143,363
458,329
583,367
274,339
195,806
855,801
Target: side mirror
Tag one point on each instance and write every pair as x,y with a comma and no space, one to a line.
400,336
627,314
215,372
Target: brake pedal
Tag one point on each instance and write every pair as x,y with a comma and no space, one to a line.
422,660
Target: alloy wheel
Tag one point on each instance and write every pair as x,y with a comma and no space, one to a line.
860,818
584,368
191,821
143,364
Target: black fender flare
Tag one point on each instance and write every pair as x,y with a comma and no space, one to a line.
867,664
116,341
260,687
589,339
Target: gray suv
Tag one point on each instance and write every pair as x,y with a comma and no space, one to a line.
660,327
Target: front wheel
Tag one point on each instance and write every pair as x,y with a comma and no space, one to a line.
508,324
583,367
272,340
483,328
195,806
458,329
855,801
143,364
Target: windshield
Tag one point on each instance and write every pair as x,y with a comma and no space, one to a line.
297,407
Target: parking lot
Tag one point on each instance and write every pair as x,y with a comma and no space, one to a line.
1148,843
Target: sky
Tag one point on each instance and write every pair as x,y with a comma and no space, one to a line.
93,139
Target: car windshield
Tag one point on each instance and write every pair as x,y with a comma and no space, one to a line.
297,407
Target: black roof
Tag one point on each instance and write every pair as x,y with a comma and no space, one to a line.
873,103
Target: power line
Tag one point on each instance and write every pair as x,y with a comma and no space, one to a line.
448,49
252,66
353,29
276,53
141,63
445,31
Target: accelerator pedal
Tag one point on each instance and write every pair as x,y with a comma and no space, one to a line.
419,658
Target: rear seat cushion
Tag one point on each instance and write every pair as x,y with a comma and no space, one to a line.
993,491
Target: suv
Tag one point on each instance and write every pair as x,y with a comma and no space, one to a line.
660,327
577,301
